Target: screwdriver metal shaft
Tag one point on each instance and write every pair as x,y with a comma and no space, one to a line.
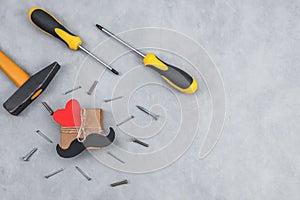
100,61
120,40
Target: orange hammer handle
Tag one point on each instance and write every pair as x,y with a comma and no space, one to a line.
13,71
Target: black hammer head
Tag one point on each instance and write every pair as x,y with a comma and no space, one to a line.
31,89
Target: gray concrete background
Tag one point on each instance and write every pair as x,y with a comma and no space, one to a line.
255,45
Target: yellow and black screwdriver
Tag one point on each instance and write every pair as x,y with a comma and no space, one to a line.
47,23
176,77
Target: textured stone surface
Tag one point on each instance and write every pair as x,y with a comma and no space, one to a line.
255,45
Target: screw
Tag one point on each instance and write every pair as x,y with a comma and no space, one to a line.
92,88
27,156
83,173
116,98
43,136
48,108
54,173
69,91
140,142
119,183
126,120
115,157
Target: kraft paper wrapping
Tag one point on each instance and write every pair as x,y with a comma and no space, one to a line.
91,122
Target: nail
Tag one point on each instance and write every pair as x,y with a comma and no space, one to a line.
148,112
43,136
119,183
140,142
116,98
54,173
126,120
72,90
115,157
48,108
27,156
83,173
92,88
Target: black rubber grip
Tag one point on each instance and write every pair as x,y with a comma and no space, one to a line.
177,76
47,23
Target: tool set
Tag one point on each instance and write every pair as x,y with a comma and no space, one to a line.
140,142
119,183
80,129
72,90
28,156
126,120
44,136
83,173
92,88
113,99
54,173
154,116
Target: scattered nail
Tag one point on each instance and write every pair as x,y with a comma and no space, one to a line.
27,156
126,120
48,108
140,142
115,157
92,88
119,183
72,90
43,136
83,173
116,98
54,173
148,112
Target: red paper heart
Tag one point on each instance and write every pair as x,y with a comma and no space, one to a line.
70,116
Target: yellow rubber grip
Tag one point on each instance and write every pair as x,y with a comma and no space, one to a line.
12,70
152,60
189,90
50,25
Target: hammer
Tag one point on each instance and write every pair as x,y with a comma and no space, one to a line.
30,87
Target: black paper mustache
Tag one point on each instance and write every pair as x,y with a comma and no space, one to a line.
92,140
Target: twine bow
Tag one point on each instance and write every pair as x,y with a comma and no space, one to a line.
86,125
81,130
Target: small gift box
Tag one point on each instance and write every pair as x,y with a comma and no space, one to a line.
80,129
91,122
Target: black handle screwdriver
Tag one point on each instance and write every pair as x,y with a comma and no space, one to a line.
50,25
174,76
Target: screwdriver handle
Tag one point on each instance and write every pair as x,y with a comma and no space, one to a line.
47,23
174,76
